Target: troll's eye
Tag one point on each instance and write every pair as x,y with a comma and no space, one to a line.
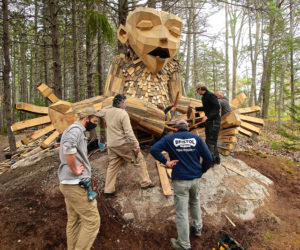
145,25
175,31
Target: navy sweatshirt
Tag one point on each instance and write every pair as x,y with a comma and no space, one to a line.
187,148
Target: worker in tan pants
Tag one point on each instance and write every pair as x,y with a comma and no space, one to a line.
122,145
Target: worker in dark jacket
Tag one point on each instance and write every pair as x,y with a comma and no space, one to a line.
184,149
212,119
224,102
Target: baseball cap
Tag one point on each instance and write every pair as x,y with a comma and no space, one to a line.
88,111
181,122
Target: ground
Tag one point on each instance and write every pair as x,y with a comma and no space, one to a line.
33,216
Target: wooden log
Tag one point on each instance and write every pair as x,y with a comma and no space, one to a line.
226,146
47,92
37,134
30,123
223,151
165,184
249,110
31,108
239,99
250,127
50,139
252,119
244,132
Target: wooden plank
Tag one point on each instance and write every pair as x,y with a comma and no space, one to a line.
249,110
229,131
31,108
244,132
239,99
226,139
37,134
50,139
226,146
169,172
233,169
30,123
250,127
252,119
164,180
223,151
230,119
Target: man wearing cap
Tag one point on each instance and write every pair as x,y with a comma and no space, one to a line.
212,119
122,146
184,149
83,215
224,102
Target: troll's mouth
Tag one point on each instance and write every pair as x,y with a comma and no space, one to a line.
160,53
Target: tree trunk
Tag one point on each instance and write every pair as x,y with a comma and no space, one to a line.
280,104
6,72
151,4
81,61
188,56
292,78
89,60
123,12
195,48
226,52
75,52
54,26
23,74
65,84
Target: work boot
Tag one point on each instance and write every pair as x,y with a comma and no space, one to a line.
195,232
176,245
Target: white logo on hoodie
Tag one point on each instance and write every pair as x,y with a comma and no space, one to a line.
184,143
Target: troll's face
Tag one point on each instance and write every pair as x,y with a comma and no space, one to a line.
153,35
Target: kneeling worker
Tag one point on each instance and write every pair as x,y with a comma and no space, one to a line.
83,215
122,146
184,149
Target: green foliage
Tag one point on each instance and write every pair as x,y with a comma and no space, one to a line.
94,21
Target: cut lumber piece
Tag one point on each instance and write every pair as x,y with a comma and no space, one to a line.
30,123
252,119
249,110
37,134
244,131
169,172
230,119
239,99
47,92
226,146
229,131
31,108
226,138
250,127
237,171
50,139
223,151
164,180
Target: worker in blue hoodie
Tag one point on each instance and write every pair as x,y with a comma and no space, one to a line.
184,149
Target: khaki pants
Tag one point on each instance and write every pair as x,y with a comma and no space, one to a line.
118,156
83,217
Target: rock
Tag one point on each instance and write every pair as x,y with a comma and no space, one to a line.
128,217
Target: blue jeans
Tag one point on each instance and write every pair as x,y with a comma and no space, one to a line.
187,192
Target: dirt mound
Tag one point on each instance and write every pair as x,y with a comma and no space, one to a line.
33,216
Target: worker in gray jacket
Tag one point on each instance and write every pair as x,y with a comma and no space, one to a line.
83,215
224,102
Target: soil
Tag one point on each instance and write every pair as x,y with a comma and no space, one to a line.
33,216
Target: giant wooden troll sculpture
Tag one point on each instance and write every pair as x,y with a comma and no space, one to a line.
148,75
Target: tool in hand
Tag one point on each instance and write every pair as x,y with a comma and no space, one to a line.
134,160
87,184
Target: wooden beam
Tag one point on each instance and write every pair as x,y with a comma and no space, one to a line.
249,110
165,184
30,123
50,139
226,146
252,119
239,99
226,139
37,134
31,108
47,92
229,131
244,132
233,169
230,119
250,127
223,151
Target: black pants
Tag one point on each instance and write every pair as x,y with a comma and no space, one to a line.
212,129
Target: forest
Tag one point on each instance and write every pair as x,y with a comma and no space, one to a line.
69,46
